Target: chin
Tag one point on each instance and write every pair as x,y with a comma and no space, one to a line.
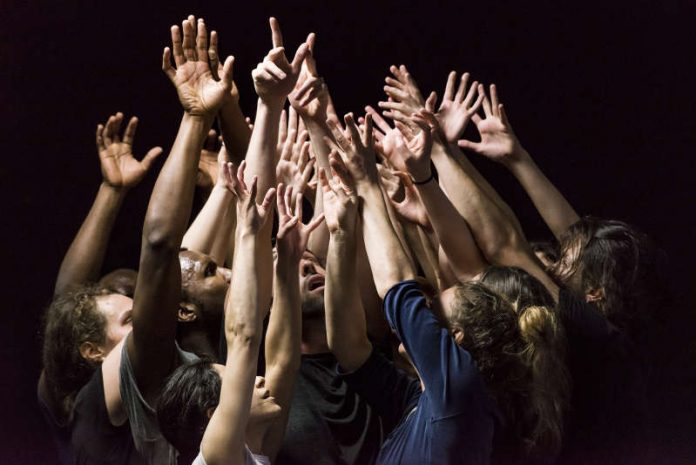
313,303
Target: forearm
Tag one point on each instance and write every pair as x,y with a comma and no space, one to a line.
484,185
284,334
388,260
171,200
243,321
490,227
346,327
319,241
83,260
261,153
549,202
235,131
210,225
452,232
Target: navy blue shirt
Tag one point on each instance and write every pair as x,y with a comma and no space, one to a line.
452,421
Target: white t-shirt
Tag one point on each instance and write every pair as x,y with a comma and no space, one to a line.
251,459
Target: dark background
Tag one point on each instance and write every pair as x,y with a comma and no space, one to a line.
601,95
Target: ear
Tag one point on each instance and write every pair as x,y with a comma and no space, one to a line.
594,295
209,412
188,312
92,352
458,335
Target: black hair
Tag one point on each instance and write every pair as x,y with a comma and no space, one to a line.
183,407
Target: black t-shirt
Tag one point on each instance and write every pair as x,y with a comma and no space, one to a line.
329,423
94,439
606,422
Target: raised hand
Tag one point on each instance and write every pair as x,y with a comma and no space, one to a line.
295,166
456,110
418,134
403,92
119,167
340,197
498,141
356,147
250,214
292,235
310,97
405,198
200,93
217,68
389,141
275,77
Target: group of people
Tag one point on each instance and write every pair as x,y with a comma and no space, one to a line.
404,316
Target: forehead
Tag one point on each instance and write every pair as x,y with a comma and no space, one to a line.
114,303
191,261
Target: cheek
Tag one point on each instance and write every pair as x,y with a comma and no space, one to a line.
115,334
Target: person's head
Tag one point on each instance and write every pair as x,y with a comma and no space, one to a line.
485,324
204,285
546,252
120,281
190,396
614,266
312,279
543,354
81,327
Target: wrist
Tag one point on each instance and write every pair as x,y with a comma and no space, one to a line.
519,157
116,191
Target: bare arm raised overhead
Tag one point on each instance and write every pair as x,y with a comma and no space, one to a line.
121,171
158,290
499,143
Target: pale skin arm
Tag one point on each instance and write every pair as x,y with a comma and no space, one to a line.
388,260
451,228
224,439
346,326
499,143
120,172
158,289
215,222
274,78
284,334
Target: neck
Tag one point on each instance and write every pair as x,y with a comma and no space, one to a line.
314,335
196,340
254,435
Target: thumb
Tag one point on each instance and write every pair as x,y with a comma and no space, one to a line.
469,145
150,157
226,76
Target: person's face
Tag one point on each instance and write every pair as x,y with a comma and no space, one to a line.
568,268
117,310
263,404
204,281
312,279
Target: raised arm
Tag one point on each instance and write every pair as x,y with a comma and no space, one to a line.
215,222
499,143
274,78
121,171
451,228
158,290
346,327
312,101
284,334
224,438
388,260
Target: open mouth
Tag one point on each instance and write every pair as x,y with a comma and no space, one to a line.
315,282
266,394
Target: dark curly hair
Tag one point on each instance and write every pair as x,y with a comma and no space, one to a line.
70,320
544,355
184,403
492,337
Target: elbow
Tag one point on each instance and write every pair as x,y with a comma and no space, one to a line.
159,235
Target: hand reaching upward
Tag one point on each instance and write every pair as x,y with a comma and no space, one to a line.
275,77
250,214
403,92
498,141
340,197
293,235
310,97
119,167
455,110
356,147
199,92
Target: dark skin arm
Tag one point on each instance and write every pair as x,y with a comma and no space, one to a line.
121,171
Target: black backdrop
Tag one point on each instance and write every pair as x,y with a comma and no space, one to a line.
600,94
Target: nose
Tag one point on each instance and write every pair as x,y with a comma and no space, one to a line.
306,268
226,273
260,382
